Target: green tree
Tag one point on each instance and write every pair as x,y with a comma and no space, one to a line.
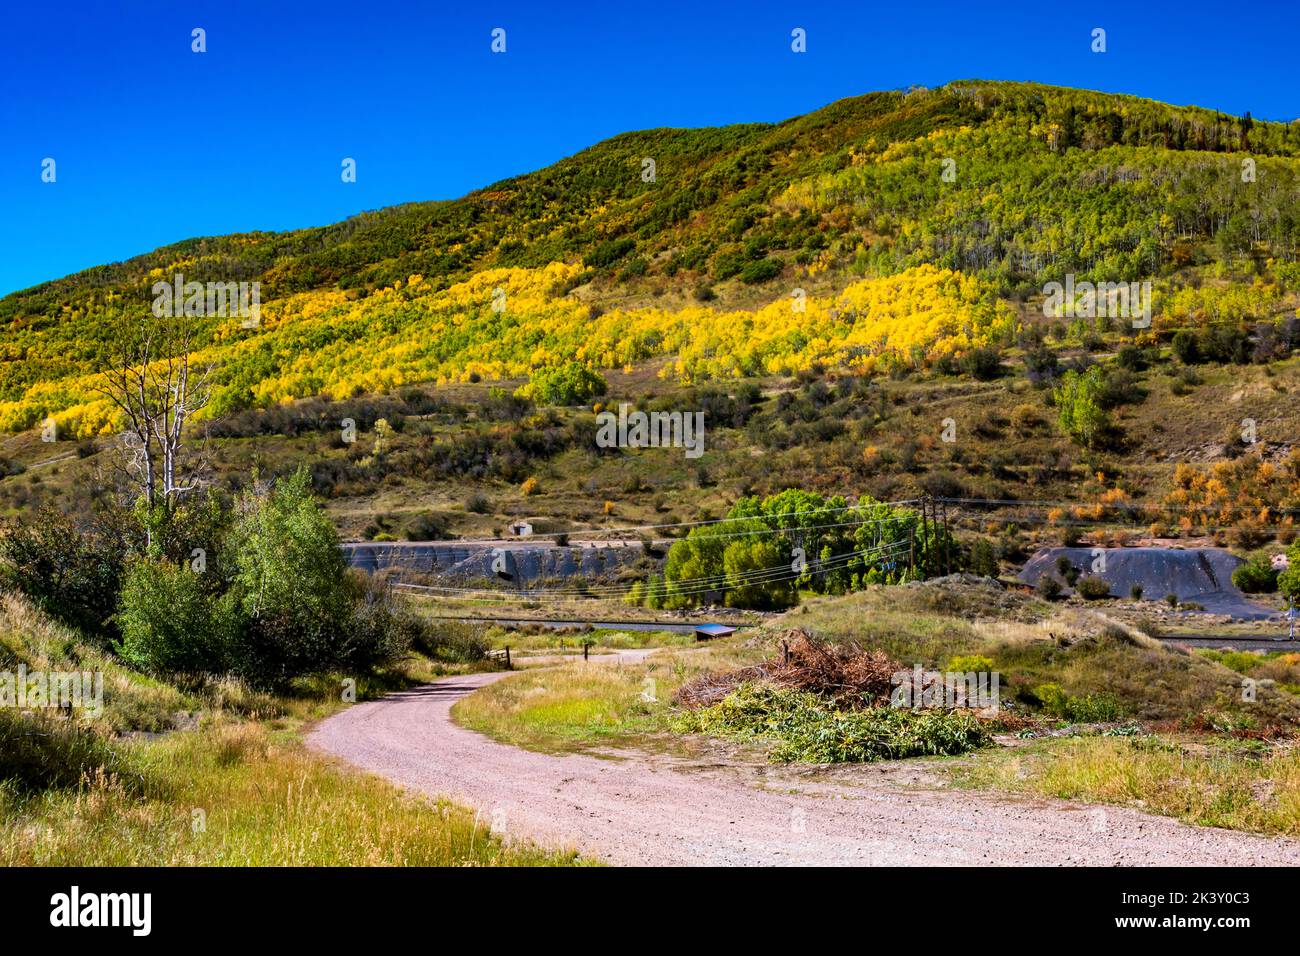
1079,405
291,580
171,624
1288,582
751,581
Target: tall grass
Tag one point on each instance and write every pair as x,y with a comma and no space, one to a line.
233,794
1212,785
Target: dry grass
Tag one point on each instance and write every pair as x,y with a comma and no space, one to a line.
1207,784
234,794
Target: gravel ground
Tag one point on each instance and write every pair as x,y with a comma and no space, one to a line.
647,809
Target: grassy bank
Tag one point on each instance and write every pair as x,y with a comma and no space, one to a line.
582,704
547,641
240,794
1210,783
209,773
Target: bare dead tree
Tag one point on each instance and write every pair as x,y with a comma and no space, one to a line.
153,383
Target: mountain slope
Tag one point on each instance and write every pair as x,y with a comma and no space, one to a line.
1041,181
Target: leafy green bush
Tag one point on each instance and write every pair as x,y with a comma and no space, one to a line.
1256,577
70,569
1080,408
1243,662
1048,587
1087,709
382,629
291,580
1093,589
805,728
455,641
571,383
761,271
170,624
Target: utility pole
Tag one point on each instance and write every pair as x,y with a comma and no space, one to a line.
926,545
945,540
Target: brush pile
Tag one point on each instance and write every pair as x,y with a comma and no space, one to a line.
847,675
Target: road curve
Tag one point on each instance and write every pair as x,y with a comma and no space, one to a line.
655,810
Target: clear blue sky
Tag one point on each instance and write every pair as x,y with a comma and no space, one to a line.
154,143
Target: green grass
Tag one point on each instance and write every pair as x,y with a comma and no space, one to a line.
582,704
546,641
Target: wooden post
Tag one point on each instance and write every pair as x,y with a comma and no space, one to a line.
509,666
585,646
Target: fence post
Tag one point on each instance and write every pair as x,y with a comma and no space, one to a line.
509,666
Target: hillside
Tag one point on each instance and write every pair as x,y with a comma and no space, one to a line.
830,289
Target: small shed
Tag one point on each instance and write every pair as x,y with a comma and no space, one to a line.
521,529
707,632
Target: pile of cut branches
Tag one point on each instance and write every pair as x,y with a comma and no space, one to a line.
849,676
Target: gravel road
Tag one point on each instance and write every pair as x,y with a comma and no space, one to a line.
646,809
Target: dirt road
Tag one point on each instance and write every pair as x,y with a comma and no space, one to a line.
656,810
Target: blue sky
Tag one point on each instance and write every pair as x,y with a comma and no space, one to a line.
155,143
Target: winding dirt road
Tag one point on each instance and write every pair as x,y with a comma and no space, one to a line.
637,808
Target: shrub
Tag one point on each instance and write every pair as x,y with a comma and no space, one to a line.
71,570
984,364
761,271
382,628
1089,708
1133,358
966,663
1135,592
170,624
454,641
426,526
570,383
1256,577
1048,587
1093,589
982,559
1079,403
1185,347
478,503
1025,418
